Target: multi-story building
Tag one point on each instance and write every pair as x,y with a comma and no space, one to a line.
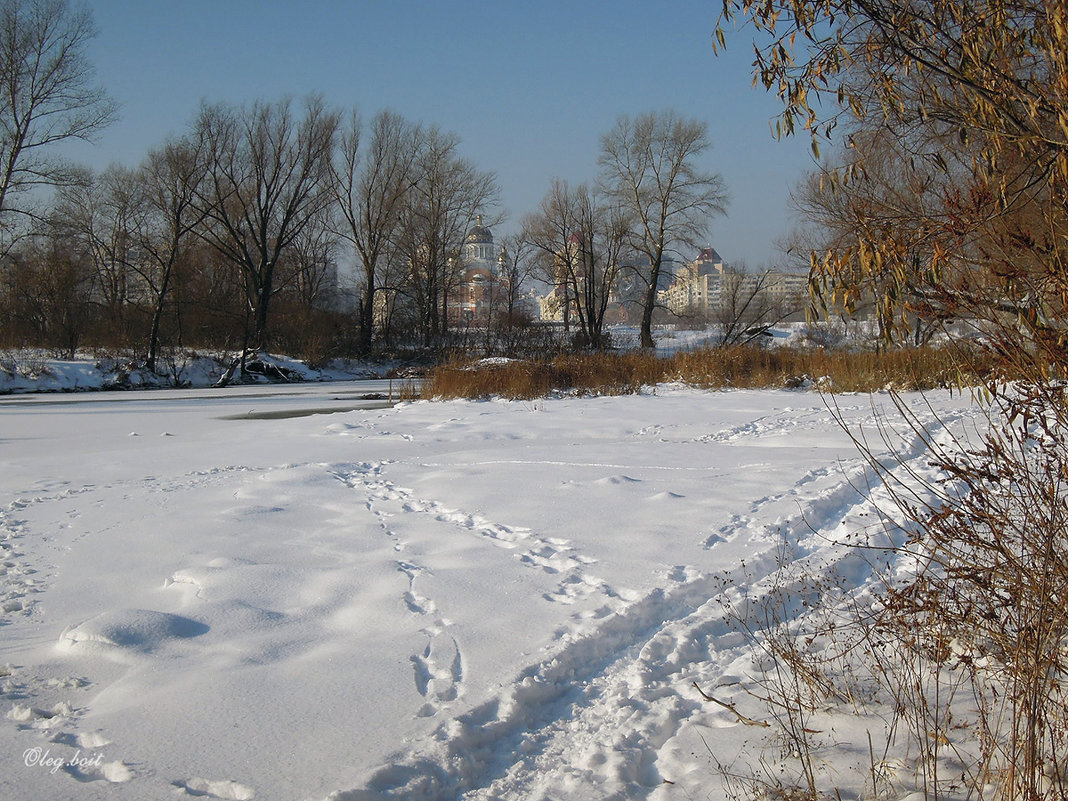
703,288
693,284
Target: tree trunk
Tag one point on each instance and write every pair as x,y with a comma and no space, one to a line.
157,316
263,300
367,322
647,309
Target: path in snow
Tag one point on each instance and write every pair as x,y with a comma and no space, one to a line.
592,720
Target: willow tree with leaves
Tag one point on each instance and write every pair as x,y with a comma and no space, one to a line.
651,167
889,197
973,97
952,201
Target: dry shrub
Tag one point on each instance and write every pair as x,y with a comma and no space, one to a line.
840,371
740,366
512,380
959,664
989,599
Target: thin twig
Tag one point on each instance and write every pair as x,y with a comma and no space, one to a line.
730,707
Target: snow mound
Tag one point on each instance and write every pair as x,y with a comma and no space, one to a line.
131,629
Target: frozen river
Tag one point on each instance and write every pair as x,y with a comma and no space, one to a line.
296,592
260,401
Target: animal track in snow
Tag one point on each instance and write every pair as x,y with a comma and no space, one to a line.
551,555
75,752
18,579
782,423
224,789
417,603
88,769
602,707
439,672
438,669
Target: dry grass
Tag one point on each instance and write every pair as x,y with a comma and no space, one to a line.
740,367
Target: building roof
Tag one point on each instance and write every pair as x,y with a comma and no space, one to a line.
479,235
709,254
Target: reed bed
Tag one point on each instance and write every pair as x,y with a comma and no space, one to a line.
713,368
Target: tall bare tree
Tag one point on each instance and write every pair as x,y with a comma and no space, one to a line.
48,290
553,233
449,195
650,165
268,175
516,270
132,226
168,217
47,97
309,270
94,217
373,181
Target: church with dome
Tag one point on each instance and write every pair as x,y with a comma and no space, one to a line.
480,287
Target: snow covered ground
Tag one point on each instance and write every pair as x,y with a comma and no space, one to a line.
478,600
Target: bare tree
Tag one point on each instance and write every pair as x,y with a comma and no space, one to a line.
450,193
553,233
579,236
168,216
132,227
94,218
48,291
308,273
517,267
650,166
372,184
267,176
48,97
747,305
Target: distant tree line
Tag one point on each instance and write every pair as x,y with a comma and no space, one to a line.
231,235
227,236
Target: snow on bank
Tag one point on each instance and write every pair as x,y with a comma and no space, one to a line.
480,600
30,370
34,371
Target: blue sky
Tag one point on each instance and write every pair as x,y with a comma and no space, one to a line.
529,88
